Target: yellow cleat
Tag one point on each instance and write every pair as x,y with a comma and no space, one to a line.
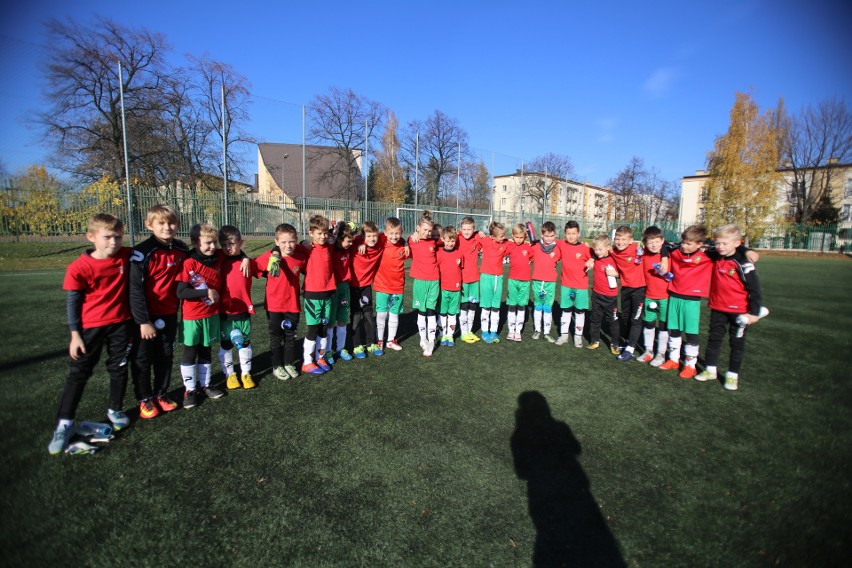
248,383
614,350
594,345
233,382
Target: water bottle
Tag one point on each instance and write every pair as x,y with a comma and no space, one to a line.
572,294
610,279
652,305
640,252
98,429
159,324
286,324
237,338
742,320
197,281
667,276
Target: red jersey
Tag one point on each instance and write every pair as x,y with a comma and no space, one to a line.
154,267
470,252
692,273
236,294
493,254
451,266
197,308
632,274
574,258
734,288
656,288
544,263
282,291
600,282
319,274
364,266
341,261
519,261
390,278
424,259
104,284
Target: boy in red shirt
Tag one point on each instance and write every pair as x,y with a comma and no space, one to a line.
628,261
656,297
574,293
735,304
468,242
98,315
450,264
389,285
494,250
545,255
370,246
282,299
604,295
424,271
320,286
199,287
154,266
342,261
518,292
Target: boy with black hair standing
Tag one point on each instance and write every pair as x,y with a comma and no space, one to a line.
544,255
574,294
628,261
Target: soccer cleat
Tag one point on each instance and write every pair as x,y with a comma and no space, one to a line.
562,339
190,399
374,349
578,341
645,357
213,392
494,337
614,350
731,382
469,338
428,348
381,345
486,336
549,338
392,344
328,357
118,419
233,382
312,369
624,356
705,375
670,365
61,437
147,409
359,352
450,342
323,365
510,336
687,372
444,341
280,373
345,355
536,335
291,370
248,382
594,345
165,403
658,360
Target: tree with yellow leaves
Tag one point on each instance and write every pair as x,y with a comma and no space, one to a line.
743,184
390,181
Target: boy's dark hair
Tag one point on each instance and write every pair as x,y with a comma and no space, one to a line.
572,225
448,232
370,227
694,233
228,231
652,232
496,226
624,230
390,223
285,229
344,230
548,226
318,222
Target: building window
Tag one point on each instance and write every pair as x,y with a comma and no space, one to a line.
503,200
847,191
846,213
504,189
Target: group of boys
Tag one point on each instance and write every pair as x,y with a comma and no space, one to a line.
128,299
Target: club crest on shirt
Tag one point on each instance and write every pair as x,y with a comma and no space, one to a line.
524,252
578,255
731,272
629,259
552,254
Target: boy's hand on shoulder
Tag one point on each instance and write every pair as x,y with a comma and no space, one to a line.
147,331
362,249
752,256
77,346
407,251
414,238
590,264
244,267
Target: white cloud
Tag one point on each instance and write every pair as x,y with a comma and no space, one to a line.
606,128
660,81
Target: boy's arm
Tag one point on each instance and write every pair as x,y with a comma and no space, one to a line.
74,306
752,286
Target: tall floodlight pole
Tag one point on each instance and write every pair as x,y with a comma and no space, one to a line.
416,166
546,195
126,161
364,161
304,173
225,152
493,187
523,191
458,179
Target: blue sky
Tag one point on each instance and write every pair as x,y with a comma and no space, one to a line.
600,82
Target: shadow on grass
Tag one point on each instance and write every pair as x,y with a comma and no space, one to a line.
570,530
39,358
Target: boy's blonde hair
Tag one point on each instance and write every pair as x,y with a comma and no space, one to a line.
106,222
285,229
318,222
426,219
203,231
601,239
624,230
729,230
371,227
467,221
694,233
519,229
495,226
161,211
448,232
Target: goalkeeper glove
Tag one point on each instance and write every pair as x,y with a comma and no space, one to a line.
273,267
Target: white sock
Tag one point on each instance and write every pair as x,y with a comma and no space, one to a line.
246,354
381,321
495,320
64,423
732,375
484,320
674,347
421,326
445,323
537,317
393,324
471,317
431,324
465,327
662,341
322,342
520,314
579,322
648,334
204,370
512,320
341,337
187,373
548,322
691,352
451,321
308,351
628,349
226,359
711,369
565,323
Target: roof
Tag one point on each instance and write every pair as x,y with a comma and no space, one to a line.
325,169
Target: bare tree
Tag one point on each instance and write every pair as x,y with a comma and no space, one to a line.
815,144
440,139
475,186
543,177
345,120
628,186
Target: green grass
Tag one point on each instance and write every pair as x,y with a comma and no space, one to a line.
403,461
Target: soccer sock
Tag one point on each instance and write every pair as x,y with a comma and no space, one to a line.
674,347
471,317
463,322
381,321
732,375
431,324
483,320
628,349
393,324
204,370
495,320
520,314
451,332
187,373
421,326
444,321
662,341
512,320
691,352
565,323
711,369
537,317
308,351
246,354
648,334
64,423
548,322
579,322
341,337
226,359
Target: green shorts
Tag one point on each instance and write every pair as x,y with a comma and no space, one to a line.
470,292
391,303
574,298
544,294
518,293
340,304
318,310
425,294
201,333
225,327
450,302
491,290
657,312
683,315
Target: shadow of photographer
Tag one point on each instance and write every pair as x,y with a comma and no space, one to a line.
570,530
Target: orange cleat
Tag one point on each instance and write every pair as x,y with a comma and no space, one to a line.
670,365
